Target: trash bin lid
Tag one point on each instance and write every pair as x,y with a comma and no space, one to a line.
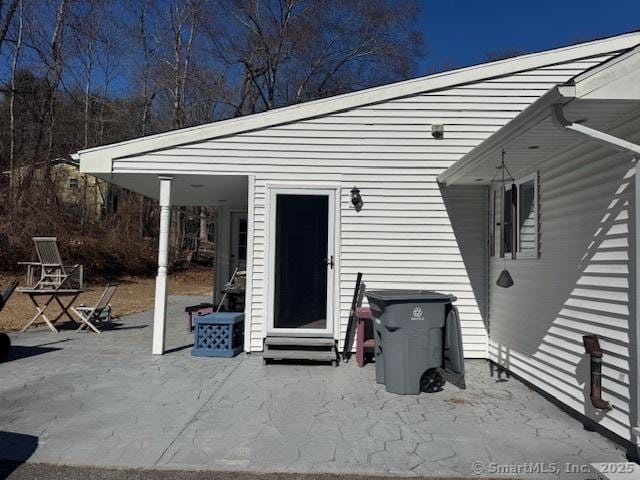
427,296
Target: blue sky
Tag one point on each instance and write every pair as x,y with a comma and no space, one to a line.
462,32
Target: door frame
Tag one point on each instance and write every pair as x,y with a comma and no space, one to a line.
333,232
235,217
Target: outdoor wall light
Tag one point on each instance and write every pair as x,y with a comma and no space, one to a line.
437,131
356,199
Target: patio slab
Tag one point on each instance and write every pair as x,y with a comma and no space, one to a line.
104,400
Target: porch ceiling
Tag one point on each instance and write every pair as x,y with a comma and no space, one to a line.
188,190
605,98
539,139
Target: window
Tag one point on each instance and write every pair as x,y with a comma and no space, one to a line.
73,183
242,240
508,237
528,216
514,219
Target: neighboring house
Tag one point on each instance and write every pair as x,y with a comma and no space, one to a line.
75,190
283,180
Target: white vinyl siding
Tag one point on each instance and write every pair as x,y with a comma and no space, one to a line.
579,285
468,210
402,238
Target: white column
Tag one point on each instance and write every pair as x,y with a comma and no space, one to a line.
160,311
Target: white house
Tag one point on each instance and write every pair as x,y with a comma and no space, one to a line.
283,178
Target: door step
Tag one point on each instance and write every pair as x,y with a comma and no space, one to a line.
311,349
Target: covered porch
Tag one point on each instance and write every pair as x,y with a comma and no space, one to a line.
229,195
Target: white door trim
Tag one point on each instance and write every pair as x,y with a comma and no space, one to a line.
332,192
248,295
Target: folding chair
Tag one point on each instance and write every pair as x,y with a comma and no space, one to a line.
49,267
90,315
4,296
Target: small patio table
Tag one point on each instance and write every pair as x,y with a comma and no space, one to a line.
50,296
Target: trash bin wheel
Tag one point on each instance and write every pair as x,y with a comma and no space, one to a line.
5,345
431,381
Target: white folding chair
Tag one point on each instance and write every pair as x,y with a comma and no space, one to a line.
89,316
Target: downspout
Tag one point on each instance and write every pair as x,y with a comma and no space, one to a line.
557,114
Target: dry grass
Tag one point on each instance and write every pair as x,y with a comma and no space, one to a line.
134,294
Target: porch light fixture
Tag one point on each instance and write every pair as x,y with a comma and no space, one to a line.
437,131
356,199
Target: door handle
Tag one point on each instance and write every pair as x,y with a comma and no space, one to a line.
329,262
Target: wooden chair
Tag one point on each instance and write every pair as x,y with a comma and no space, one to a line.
359,328
88,316
49,271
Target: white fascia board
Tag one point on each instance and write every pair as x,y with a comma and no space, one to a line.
615,68
618,79
527,119
319,108
98,162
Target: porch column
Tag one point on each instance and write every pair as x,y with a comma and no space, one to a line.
160,310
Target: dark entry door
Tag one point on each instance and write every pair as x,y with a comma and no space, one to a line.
300,291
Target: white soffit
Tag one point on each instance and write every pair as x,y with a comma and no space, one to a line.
188,190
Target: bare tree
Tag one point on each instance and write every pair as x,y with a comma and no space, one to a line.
5,19
178,24
147,51
279,52
56,54
73,79
12,103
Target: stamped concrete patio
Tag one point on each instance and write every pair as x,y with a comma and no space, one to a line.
105,400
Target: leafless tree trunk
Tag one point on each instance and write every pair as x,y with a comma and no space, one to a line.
12,105
147,97
108,71
182,19
6,21
56,53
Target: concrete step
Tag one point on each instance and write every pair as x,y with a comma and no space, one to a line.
312,355
314,349
298,341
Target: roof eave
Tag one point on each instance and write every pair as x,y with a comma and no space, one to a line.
582,86
99,159
532,115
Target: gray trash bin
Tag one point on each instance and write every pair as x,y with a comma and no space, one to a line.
411,338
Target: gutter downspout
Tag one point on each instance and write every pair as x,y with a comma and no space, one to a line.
557,114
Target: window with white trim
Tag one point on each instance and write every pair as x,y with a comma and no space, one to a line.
527,215
513,213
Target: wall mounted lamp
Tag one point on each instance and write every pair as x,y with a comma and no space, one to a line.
437,131
356,199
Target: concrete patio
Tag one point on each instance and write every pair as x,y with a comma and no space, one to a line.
105,400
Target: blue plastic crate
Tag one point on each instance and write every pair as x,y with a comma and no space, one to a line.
218,335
